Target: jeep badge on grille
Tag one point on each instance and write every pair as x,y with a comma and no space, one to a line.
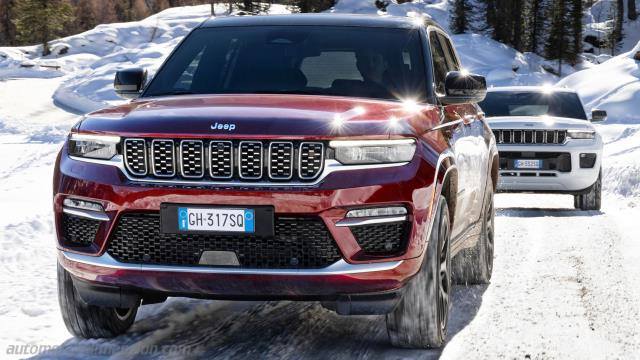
220,126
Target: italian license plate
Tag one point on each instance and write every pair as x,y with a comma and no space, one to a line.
528,164
204,219
218,220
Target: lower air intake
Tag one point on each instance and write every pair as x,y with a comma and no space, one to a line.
299,243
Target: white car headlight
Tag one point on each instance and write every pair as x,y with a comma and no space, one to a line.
581,134
93,146
373,151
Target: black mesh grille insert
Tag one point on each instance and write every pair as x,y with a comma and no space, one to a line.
79,231
250,159
281,160
135,156
221,166
311,155
382,239
192,158
298,243
163,158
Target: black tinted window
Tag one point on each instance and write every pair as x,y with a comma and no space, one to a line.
452,61
345,61
561,104
440,67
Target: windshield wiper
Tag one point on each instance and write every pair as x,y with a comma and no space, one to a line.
295,92
176,92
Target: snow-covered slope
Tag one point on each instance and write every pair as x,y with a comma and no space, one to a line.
89,60
613,86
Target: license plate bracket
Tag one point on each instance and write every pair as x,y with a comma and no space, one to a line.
262,225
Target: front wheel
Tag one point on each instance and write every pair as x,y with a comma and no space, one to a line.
474,265
420,319
592,199
90,321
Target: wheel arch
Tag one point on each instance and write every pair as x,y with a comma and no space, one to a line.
447,183
493,170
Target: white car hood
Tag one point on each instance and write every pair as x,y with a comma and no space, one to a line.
539,123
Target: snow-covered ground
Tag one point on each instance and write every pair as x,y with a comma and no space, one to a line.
565,283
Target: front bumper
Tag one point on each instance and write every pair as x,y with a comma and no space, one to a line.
574,181
411,185
238,283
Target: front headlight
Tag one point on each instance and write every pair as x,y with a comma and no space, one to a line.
581,134
373,151
93,146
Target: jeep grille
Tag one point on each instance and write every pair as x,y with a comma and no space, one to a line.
218,160
507,136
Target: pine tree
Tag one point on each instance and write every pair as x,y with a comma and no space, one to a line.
614,35
576,31
619,19
7,29
556,45
459,18
39,21
536,23
86,14
517,26
490,15
632,13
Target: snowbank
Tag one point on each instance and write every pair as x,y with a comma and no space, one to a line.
613,86
501,64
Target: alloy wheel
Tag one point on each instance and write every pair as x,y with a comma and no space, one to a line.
489,236
444,291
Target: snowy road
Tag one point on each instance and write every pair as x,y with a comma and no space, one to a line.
565,282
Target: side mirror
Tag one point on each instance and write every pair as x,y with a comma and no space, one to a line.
461,88
598,115
129,83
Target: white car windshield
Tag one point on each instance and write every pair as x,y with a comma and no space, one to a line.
533,103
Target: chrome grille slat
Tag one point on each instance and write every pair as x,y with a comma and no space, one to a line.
311,160
163,161
135,159
192,159
280,160
221,159
250,159
530,137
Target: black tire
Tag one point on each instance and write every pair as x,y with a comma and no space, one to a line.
592,199
89,321
474,265
420,319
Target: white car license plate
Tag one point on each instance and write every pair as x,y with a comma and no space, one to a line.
528,164
212,219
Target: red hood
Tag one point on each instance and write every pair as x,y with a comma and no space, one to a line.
259,116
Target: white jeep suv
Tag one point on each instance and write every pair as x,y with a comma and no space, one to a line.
546,142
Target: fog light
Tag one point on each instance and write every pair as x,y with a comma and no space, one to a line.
83,205
372,212
587,160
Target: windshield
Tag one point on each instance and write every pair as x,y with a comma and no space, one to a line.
533,103
329,60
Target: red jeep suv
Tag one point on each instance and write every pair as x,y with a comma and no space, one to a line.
332,158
